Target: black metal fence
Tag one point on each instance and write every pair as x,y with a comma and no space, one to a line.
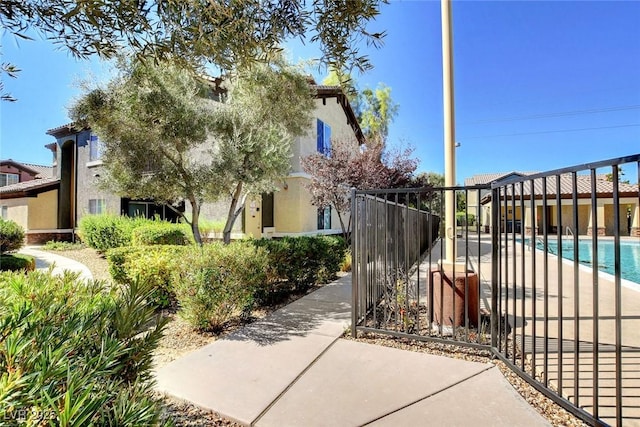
546,276
397,249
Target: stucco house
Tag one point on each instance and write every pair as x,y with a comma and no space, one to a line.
74,190
28,196
629,212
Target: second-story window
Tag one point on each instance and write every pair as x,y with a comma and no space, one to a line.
95,148
324,137
8,179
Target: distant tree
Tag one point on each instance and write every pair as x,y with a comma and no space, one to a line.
374,108
167,140
620,175
431,200
345,166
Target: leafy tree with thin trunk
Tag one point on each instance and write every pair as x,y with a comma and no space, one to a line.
265,109
347,166
155,123
167,140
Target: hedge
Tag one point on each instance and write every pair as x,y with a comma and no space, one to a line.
219,283
152,265
303,261
161,233
106,231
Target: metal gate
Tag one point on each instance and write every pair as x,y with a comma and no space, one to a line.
526,283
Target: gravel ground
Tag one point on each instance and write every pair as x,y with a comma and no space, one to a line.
180,339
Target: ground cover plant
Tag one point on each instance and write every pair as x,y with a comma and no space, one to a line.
74,353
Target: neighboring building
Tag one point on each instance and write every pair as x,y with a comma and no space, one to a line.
78,167
29,196
629,211
474,197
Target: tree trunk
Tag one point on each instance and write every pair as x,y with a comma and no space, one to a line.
195,216
344,230
235,209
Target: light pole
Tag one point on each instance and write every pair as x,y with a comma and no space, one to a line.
449,132
458,287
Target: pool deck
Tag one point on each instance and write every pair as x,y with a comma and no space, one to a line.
568,290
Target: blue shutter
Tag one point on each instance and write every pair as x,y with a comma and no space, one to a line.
327,138
320,136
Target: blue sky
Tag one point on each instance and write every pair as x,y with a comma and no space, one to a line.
538,85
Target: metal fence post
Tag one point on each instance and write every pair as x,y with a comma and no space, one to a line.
495,235
354,263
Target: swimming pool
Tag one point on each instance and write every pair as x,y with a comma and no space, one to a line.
629,255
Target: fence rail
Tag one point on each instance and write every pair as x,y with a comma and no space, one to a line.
521,286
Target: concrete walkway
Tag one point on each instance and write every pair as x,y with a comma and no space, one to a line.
292,369
44,260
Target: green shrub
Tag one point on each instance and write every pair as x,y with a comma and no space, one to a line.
161,233
219,282
303,261
105,231
53,245
152,265
75,352
11,236
460,219
15,262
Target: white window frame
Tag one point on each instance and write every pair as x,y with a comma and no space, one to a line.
7,175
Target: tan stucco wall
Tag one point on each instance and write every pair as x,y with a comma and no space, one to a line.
333,115
253,217
43,211
291,208
294,213
34,213
17,210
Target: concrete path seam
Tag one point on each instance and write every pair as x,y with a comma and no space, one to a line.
428,396
292,383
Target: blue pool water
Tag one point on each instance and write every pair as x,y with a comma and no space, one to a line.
629,255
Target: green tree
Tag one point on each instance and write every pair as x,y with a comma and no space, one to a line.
265,109
167,140
432,200
227,34
152,120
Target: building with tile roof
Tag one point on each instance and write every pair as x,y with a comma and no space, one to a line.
565,189
78,170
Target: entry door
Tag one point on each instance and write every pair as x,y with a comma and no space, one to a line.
267,210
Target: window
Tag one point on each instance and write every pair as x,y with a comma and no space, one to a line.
95,148
5,211
324,218
96,206
323,137
9,178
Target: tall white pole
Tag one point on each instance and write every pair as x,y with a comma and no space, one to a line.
449,131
